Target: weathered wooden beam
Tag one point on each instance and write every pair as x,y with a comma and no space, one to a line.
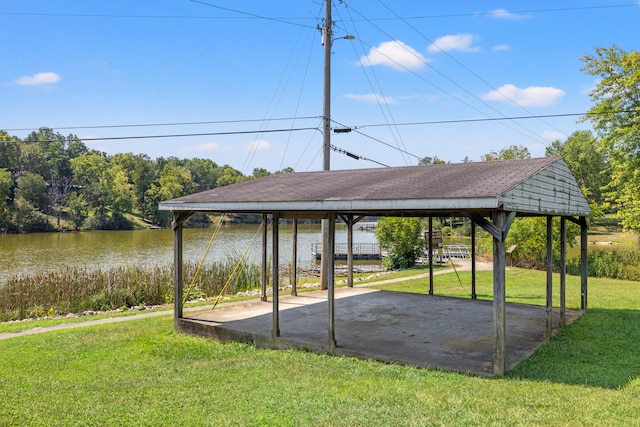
473,261
331,238
294,259
263,276
499,296
549,261
179,217
498,232
430,256
275,254
584,259
350,223
563,271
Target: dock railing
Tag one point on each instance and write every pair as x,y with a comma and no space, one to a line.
361,251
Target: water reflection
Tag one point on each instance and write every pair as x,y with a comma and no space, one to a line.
29,253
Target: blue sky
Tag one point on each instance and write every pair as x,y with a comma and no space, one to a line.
239,73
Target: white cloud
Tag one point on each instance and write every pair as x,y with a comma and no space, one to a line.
258,145
532,96
395,54
505,14
210,146
501,47
461,42
372,98
39,79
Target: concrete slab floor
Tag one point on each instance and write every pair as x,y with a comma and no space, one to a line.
415,329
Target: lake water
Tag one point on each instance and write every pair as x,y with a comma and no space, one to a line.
29,253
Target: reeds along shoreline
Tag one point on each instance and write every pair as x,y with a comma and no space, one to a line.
76,290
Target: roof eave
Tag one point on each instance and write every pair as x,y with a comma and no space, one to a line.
341,206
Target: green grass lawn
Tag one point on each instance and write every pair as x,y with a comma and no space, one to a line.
142,373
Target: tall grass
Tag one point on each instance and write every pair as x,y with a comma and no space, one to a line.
75,289
614,263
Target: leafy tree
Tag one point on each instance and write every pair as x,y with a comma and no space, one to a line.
204,173
9,152
6,184
530,236
401,237
616,121
77,205
174,181
28,218
32,188
229,176
88,170
141,172
431,161
288,169
117,191
260,172
510,153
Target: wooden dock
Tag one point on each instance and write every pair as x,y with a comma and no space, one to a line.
361,252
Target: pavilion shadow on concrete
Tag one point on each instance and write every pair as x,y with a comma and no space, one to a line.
490,194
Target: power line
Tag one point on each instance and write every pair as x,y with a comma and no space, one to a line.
288,20
186,135
470,71
216,122
355,129
503,12
443,75
252,15
495,119
432,122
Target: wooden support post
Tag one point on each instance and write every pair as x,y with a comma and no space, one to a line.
324,266
294,260
179,217
563,271
584,268
549,328
430,250
275,254
177,270
473,261
331,236
499,321
350,222
263,277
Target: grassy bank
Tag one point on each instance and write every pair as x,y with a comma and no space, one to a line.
142,373
75,290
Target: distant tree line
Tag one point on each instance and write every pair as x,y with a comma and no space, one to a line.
49,182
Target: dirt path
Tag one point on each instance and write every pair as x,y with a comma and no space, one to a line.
462,266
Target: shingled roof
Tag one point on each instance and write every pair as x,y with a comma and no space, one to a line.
540,186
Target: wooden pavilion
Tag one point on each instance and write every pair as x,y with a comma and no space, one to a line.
490,194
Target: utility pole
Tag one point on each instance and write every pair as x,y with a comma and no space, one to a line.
327,39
